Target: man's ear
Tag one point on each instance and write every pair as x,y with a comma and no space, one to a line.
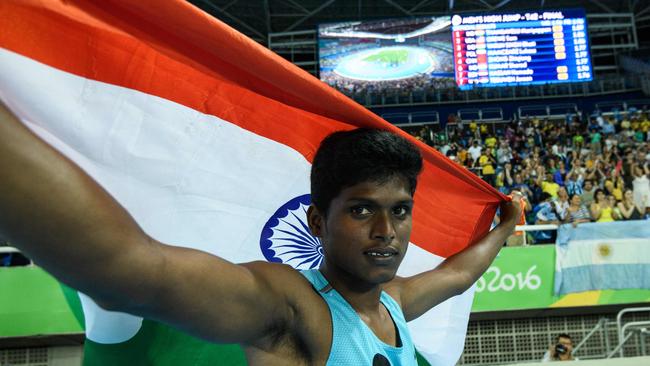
316,221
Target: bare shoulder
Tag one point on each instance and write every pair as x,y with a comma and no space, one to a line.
395,287
400,288
306,337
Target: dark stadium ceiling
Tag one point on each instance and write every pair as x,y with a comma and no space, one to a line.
258,18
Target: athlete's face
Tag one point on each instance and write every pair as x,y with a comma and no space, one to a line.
366,232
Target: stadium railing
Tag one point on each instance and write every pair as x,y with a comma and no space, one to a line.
11,250
639,326
480,114
610,108
402,119
550,111
400,97
531,228
416,119
8,249
492,116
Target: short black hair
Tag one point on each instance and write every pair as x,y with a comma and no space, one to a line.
346,158
563,335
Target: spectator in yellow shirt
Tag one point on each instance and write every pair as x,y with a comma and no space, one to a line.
491,141
484,129
487,161
473,126
625,124
548,185
645,125
615,190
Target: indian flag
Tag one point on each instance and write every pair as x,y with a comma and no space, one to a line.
207,138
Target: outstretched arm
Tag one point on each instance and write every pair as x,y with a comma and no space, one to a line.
70,226
420,293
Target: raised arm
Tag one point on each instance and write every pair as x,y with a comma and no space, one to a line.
571,173
540,175
508,175
70,226
457,273
595,211
625,212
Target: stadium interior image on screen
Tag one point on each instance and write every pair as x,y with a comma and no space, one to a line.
406,53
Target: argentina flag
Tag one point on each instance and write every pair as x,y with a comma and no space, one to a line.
603,256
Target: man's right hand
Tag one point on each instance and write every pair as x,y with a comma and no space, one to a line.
511,210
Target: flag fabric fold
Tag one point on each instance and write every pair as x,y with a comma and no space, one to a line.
206,138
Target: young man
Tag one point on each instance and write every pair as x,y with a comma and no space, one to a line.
588,191
548,184
486,161
562,350
475,151
545,214
351,311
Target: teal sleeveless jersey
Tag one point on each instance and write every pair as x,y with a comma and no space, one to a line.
353,342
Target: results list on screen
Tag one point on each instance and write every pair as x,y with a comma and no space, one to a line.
521,48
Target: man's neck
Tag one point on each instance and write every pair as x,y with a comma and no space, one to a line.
362,296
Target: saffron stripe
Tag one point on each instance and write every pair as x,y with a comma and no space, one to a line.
183,55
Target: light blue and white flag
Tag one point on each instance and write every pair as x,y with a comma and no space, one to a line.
601,256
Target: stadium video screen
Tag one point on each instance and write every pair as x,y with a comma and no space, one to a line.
521,48
404,53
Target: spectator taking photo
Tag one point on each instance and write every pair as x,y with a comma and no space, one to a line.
561,350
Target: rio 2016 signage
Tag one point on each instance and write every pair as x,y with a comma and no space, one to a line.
494,280
522,278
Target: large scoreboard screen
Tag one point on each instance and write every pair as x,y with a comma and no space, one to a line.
521,48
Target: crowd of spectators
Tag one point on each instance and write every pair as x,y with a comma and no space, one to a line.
438,88
360,88
575,170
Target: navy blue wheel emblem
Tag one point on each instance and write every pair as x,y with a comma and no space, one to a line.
286,237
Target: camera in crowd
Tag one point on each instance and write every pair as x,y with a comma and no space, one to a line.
561,349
